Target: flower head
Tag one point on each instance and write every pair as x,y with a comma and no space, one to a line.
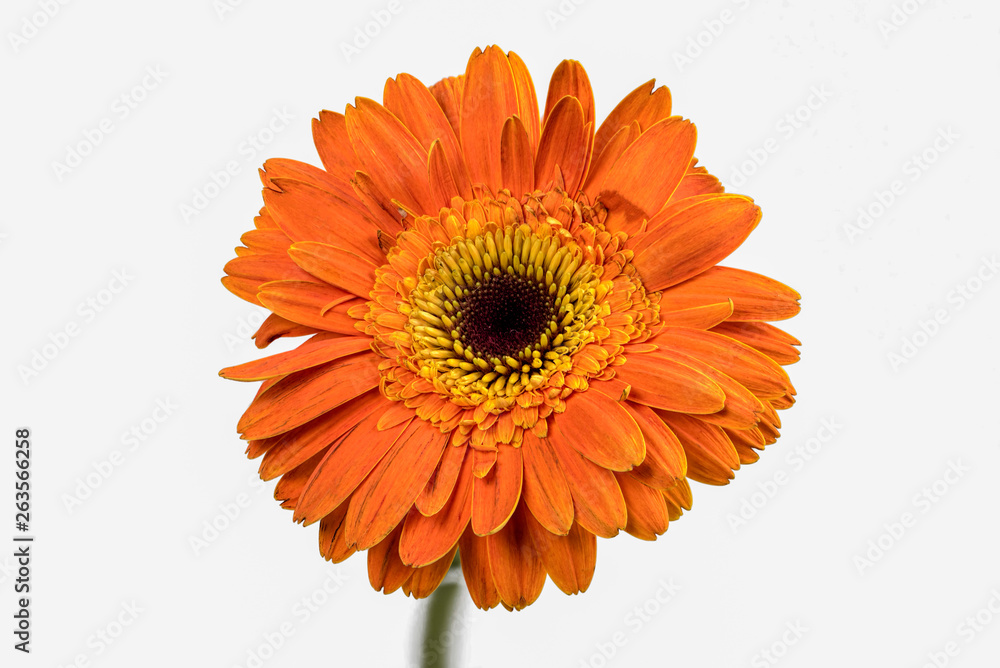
518,335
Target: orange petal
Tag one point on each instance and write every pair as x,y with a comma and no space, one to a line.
694,239
569,78
615,388
517,573
670,209
768,431
318,350
425,539
386,215
393,413
306,395
742,406
751,438
697,183
490,98
290,487
441,177
710,454
678,499
343,468
599,428
412,103
647,509
517,169
476,570
308,213
495,495
311,304
333,145
264,221
386,571
663,383
781,403
766,338
698,317
483,461
643,103
770,415
546,492
448,93
266,268
256,448
439,488
274,327
570,559
747,454
426,579
244,288
597,501
563,144
601,163
389,153
336,266
266,242
331,536
630,195
752,369
282,170
527,98
755,297
290,449
747,442
665,462
385,496
654,108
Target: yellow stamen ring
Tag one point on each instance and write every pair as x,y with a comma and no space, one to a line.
498,312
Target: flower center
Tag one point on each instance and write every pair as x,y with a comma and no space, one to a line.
503,315
497,312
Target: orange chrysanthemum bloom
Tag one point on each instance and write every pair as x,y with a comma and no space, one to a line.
519,339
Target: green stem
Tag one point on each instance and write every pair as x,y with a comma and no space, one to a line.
440,613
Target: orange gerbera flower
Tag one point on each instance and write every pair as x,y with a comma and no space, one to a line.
519,339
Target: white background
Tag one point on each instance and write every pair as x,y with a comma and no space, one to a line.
793,564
